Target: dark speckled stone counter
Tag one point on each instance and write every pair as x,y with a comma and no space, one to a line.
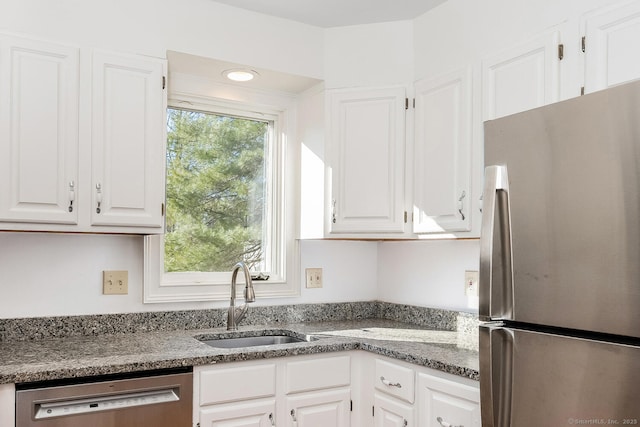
80,355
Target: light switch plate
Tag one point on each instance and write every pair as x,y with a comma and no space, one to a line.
313,277
115,282
471,283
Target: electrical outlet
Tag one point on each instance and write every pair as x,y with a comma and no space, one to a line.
471,283
115,282
314,277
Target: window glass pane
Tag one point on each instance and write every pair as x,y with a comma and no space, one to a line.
216,191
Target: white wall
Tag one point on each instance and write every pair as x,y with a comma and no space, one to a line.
427,272
151,27
369,55
49,274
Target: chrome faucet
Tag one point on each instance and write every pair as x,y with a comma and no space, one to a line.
236,314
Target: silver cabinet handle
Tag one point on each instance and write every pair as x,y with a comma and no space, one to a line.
461,204
98,197
333,211
72,195
443,423
389,383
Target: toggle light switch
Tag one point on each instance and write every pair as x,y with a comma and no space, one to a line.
313,277
115,282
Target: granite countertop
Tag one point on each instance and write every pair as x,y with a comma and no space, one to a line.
79,356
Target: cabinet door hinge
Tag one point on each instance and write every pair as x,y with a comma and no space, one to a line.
560,51
164,82
583,43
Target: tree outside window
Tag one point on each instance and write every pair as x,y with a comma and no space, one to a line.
216,192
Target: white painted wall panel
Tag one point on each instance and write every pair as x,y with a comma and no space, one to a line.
427,273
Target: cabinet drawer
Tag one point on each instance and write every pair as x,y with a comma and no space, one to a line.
231,384
317,374
395,380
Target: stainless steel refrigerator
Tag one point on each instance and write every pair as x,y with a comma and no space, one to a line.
560,264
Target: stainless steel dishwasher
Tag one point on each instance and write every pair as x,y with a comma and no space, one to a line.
158,399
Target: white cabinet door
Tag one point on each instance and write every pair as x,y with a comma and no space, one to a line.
442,402
39,83
128,140
242,414
611,47
442,162
328,408
367,130
7,405
389,412
521,78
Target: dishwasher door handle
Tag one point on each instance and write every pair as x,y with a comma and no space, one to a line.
89,404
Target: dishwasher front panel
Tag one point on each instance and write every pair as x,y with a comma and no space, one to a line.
158,401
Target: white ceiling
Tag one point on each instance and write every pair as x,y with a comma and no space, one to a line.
338,13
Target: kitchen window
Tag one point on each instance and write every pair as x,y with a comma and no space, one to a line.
226,200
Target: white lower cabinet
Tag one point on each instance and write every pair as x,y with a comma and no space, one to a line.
326,408
300,391
444,402
390,412
7,404
408,395
346,389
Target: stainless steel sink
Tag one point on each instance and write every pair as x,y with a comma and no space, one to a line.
250,341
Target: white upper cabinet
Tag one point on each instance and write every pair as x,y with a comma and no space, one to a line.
95,169
38,131
367,131
128,140
442,156
611,46
521,78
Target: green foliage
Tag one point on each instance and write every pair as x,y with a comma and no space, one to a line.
215,191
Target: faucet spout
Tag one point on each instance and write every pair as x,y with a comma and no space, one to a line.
236,314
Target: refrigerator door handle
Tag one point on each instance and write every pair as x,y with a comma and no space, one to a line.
496,299
496,374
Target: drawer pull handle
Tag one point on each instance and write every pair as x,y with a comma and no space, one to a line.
389,383
273,423
443,423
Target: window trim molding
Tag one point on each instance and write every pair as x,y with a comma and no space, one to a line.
161,287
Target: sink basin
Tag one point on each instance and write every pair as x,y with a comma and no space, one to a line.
250,341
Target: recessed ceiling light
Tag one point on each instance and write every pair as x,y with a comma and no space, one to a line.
240,74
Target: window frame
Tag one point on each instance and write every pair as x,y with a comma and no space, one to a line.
161,287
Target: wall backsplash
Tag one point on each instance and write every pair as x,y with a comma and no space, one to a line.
38,328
